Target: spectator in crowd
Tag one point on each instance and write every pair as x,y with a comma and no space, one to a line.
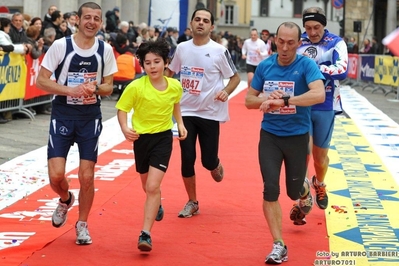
70,18
272,43
17,32
253,51
152,34
47,17
375,46
140,38
185,36
171,40
64,28
7,45
48,38
240,62
145,36
291,83
56,20
37,22
126,30
133,33
128,64
27,19
37,43
353,48
5,39
112,20
205,105
366,49
76,111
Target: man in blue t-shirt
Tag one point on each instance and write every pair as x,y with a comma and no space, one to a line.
290,84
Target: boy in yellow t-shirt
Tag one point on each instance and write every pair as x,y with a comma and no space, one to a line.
154,98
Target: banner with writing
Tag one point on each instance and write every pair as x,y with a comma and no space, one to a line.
33,67
12,76
386,70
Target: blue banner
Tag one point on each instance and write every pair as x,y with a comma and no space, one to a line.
367,68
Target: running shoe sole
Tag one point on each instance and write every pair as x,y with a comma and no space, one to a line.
297,216
144,246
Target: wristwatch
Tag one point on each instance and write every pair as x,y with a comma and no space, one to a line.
97,89
286,97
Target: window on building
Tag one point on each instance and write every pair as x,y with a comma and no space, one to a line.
298,8
264,8
229,17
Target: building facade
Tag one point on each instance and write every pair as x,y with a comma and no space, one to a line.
375,17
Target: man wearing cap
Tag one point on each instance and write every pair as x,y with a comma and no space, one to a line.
112,20
330,52
264,35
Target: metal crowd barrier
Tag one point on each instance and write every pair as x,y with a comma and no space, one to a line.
18,91
378,72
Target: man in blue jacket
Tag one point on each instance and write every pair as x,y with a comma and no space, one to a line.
330,53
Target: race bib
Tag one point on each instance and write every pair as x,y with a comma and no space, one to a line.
75,79
191,79
253,57
287,87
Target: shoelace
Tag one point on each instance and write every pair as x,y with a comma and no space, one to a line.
61,210
278,250
82,231
190,206
320,192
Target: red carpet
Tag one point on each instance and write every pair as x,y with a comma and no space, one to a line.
230,230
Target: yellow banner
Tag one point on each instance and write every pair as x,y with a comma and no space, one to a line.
12,76
386,70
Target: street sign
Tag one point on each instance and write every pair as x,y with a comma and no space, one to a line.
338,3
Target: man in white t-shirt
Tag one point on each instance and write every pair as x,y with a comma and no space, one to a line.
254,50
204,103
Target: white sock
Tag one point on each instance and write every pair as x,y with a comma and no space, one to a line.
320,184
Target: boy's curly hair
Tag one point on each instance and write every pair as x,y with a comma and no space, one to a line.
159,47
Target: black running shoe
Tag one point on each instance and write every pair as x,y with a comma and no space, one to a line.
159,216
321,194
145,243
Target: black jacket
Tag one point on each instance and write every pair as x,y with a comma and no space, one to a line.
17,37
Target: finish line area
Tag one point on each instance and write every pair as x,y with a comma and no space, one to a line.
360,226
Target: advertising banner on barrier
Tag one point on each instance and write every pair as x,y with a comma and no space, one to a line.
386,70
12,76
353,65
33,67
367,68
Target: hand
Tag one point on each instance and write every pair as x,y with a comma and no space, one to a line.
221,96
89,88
182,132
40,42
276,95
270,106
130,134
